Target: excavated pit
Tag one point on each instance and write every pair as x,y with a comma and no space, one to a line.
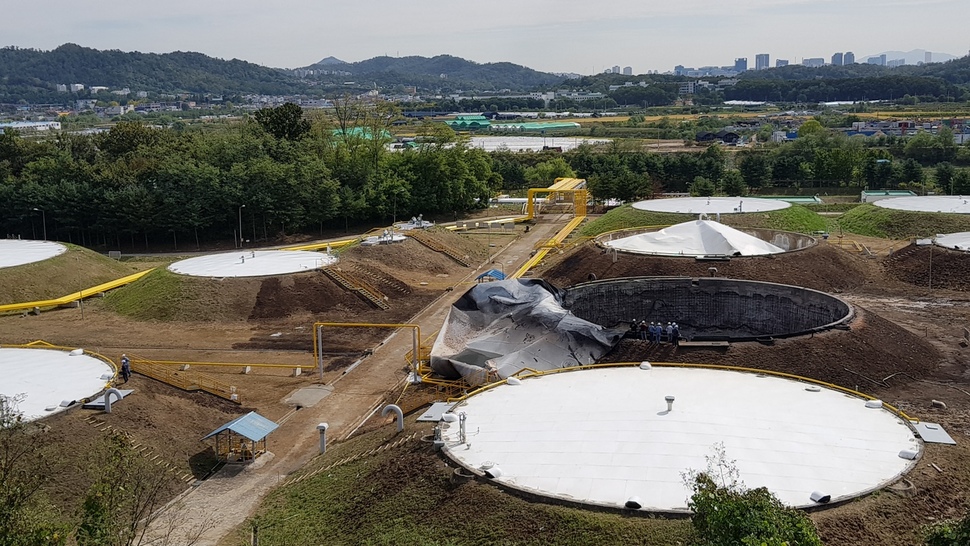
709,309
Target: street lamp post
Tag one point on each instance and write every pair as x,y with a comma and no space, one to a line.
489,243
240,225
43,216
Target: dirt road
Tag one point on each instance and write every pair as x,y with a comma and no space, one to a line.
231,496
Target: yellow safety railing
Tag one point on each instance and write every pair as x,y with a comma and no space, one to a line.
88,292
226,364
184,379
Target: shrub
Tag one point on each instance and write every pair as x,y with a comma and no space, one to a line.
726,513
948,533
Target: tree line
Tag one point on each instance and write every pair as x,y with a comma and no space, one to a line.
286,171
278,173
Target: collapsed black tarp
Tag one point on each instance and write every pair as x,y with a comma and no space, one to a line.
499,328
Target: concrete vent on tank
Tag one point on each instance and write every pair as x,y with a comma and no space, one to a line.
709,308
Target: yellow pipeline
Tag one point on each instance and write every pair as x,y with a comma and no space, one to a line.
318,246
580,196
554,242
64,300
317,343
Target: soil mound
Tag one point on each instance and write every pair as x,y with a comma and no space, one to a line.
919,265
822,267
872,349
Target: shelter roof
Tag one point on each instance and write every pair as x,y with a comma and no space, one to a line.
493,273
253,426
696,238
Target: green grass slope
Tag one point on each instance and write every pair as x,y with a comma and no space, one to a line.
874,221
405,496
76,269
156,296
795,218
628,217
165,296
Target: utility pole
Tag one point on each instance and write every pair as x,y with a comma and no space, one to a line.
240,225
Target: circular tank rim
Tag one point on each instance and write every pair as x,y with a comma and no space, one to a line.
835,324
536,495
629,232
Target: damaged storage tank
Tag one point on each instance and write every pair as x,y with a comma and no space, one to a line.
499,328
709,308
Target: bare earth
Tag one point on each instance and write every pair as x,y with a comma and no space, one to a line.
904,346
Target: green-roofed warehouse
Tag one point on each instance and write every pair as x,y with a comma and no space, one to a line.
469,123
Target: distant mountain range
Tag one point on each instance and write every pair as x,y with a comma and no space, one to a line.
34,76
914,56
442,72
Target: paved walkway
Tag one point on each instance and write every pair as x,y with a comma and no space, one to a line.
231,496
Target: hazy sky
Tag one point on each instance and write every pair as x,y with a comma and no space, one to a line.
549,35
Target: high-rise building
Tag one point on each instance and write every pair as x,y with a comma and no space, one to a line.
616,69
837,59
627,70
928,57
813,62
740,64
848,58
679,70
761,61
781,62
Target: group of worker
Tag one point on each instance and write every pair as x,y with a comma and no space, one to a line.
655,332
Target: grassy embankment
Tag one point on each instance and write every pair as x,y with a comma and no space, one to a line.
64,274
873,221
157,296
795,218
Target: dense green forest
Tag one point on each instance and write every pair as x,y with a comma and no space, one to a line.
282,172
33,75
279,173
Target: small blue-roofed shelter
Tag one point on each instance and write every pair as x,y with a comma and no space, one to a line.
243,438
492,274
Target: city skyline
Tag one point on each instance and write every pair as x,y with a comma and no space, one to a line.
547,35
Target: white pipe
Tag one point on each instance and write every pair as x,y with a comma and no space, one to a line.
322,427
107,398
392,408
